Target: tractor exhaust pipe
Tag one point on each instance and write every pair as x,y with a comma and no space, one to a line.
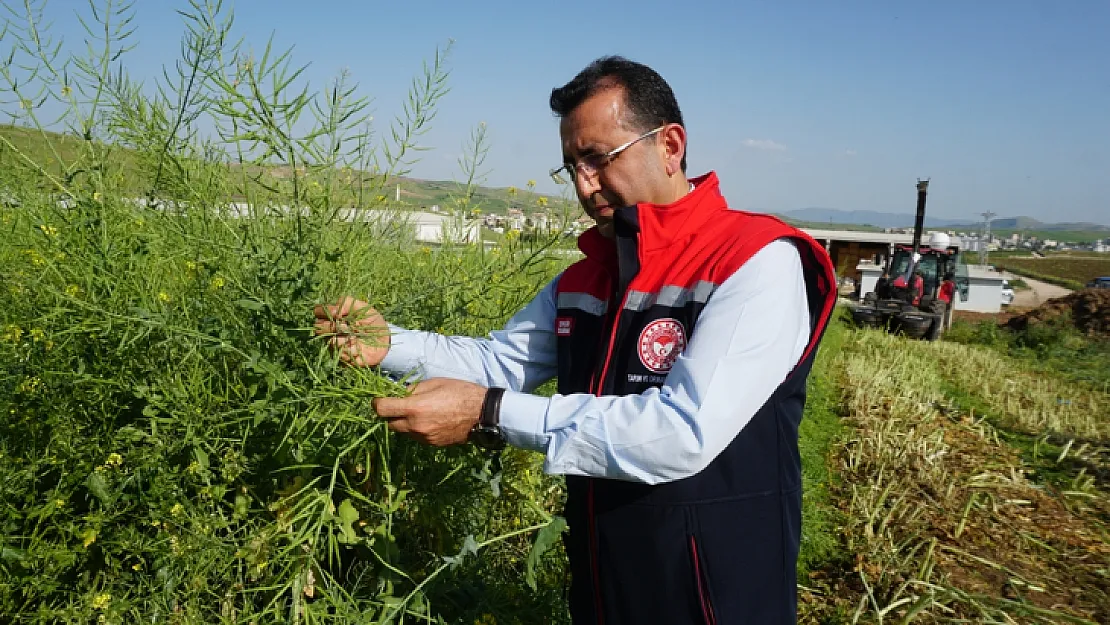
919,219
918,227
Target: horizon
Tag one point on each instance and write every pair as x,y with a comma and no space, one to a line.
1001,104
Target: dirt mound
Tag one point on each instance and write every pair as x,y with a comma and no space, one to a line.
1089,310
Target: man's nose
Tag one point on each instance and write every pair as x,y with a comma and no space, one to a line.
587,185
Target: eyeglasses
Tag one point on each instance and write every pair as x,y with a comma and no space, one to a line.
591,164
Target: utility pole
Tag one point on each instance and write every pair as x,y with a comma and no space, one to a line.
985,240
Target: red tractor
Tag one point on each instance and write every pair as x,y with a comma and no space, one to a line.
910,296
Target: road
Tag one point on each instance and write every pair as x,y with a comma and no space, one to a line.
1037,294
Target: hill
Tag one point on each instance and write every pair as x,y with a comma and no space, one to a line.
417,193
905,220
428,193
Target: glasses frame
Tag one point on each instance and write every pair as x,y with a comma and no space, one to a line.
591,169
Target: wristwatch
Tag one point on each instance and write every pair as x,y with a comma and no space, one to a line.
487,432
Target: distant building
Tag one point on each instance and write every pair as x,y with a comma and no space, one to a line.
440,228
539,221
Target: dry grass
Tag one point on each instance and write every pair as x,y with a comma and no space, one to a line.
942,519
1027,400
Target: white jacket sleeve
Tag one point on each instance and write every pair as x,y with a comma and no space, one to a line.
520,356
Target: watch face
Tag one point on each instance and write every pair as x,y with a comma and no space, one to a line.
487,437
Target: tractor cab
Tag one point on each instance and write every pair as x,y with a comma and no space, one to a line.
934,265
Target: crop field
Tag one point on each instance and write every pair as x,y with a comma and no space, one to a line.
1069,271
177,447
973,487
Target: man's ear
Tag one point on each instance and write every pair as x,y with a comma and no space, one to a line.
673,143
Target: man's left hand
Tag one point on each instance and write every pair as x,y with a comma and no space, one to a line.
439,412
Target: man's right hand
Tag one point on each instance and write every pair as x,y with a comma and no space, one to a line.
356,330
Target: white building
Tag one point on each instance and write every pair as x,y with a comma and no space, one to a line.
440,228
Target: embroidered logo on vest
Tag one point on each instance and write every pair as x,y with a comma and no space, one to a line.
661,341
564,326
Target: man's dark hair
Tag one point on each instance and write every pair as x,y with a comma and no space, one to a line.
648,97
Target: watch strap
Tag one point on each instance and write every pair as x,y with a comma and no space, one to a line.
491,408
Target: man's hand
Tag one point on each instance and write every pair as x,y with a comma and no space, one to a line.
439,412
357,330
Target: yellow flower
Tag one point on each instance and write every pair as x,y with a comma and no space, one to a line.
30,386
542,201
37,334
138,566
163,296
72,290
102,601
218,282
12,333
96,196
177,509
190,265
66,90
531,183
36,258
114,460
48,230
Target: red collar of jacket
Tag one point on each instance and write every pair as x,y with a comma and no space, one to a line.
661,225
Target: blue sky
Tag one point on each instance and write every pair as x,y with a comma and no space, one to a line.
1005,104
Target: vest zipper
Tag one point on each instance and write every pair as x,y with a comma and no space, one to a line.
609,350
699,580
596,388
621,287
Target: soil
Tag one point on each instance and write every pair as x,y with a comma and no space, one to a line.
975,317
1089,311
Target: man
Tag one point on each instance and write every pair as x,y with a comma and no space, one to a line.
882,286
947,294
681,342
918,286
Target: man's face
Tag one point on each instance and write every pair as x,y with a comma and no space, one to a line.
595,128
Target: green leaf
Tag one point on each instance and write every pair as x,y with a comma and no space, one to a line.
201,456
11,554
250,304
470,546
347,516
545,538
242,506
98,487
